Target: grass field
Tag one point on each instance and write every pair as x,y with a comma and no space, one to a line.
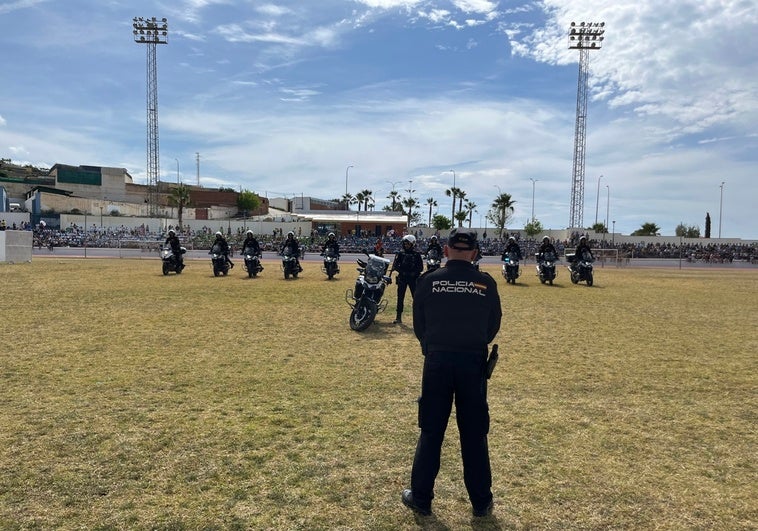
131,400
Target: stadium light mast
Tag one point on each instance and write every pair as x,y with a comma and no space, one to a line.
151,31
583,36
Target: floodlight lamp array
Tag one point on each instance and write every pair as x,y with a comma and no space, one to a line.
586,35
150,30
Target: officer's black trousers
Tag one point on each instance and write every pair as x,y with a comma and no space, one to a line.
404,283
452,376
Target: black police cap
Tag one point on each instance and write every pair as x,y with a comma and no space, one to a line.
462,239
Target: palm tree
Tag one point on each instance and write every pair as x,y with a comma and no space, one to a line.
409,203
461,216
180,198
366,199
359,200
461,196
346,200
502,209
470,209
452,192
394,195
432,203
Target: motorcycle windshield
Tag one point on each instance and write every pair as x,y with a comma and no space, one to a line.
548,257
433,255
376,267
330,253
216,249
511,257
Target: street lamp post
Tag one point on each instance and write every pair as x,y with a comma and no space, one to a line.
533,183
613,235
346,172
721,203
607,206
177,170
597,202
453,195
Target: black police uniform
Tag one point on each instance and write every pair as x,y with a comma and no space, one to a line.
176,248
409,265
456,314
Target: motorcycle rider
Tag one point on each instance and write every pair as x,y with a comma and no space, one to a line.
331,243
583,248
434,246
223,247
293,247
511,247
176,247
251,242
546,247
409,266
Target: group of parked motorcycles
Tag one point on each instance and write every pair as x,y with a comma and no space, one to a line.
580,268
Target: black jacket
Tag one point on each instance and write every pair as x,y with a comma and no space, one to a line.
174,243
512,247
252,243
331,244
408,263
293,245
221,246
456,309
546,248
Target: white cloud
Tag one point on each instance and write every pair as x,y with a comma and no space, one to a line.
475,6
19,4
2,120
686,62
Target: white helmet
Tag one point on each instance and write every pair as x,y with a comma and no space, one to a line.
171,232
410,238
249,233
218,234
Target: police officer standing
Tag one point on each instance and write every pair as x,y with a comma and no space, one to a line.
456,314
409,265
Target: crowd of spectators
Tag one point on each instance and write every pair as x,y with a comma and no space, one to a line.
144,238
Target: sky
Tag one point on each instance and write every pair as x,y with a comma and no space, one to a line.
313,97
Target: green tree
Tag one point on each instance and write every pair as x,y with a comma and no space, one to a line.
248,201
502,210
648,229
180,198
533,227
600,228
441,222
684,231
393,196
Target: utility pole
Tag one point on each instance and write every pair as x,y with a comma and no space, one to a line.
583,36
151,31
197,155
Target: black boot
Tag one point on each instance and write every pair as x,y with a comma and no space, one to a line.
398,319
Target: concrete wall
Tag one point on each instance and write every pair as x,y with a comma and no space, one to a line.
15,246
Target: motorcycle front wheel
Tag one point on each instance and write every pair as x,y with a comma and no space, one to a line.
165,268
589,279
363,315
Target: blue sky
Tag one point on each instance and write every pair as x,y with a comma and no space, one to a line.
280,97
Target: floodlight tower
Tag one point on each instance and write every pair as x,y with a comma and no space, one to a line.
583,36
151,31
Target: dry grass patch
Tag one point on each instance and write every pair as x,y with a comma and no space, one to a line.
134,400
